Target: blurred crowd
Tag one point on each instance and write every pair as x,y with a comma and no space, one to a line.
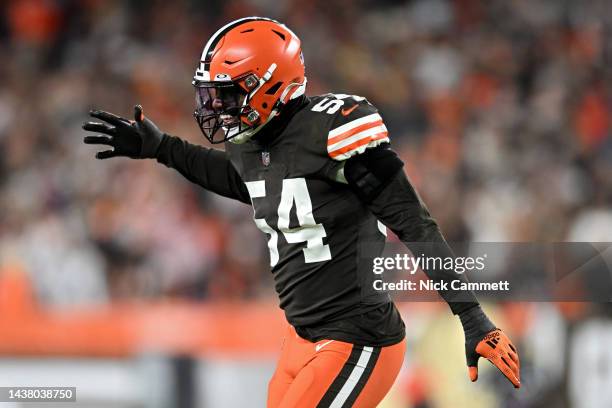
500,109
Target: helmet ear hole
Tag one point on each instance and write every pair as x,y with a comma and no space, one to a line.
264,105
274,88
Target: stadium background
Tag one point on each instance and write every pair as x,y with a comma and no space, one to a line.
143,290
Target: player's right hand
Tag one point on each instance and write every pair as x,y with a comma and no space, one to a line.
138,139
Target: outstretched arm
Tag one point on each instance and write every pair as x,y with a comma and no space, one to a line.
141,139
377,178
206,167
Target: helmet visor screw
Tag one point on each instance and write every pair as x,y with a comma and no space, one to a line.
251,81
253,116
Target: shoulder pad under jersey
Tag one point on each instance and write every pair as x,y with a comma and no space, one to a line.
355,125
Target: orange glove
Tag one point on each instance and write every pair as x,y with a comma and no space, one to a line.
496,347
483,339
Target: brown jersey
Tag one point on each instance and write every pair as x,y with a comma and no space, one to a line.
317,228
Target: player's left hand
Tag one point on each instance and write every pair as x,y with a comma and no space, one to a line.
483,339
496,347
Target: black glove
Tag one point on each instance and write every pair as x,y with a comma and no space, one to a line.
137,139
483,339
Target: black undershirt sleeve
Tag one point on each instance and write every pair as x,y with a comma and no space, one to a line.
376,177
206,167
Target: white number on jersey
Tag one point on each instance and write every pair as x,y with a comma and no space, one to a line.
295,191
331,105
257,189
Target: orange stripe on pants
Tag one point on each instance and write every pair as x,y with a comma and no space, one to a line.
332,373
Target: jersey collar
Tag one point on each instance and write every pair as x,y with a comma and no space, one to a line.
277,125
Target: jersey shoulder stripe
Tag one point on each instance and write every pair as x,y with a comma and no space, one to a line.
359,146
351,127
362,129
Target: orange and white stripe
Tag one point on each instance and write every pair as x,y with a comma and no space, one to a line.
356,136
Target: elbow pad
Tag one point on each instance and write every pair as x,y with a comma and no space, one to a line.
369,173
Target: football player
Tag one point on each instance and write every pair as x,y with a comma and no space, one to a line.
321,178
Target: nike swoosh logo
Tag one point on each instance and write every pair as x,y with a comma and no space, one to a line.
346,112
318,347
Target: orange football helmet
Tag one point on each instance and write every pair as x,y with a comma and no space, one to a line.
249,70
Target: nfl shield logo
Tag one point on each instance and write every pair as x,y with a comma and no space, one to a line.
265,158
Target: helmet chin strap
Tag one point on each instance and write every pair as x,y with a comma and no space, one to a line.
247,134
